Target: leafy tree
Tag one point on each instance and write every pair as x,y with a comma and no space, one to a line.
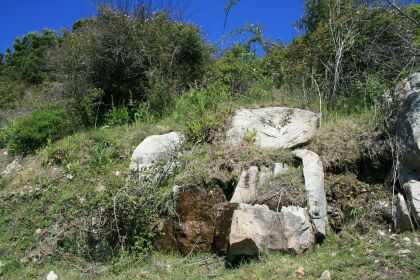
130,58
28,60
348,44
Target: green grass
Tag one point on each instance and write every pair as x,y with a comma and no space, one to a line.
347,256
61,207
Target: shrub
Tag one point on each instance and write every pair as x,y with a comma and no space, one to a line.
11,92
201,112
117,116
4,135
139,57
123,216
32,132
144,114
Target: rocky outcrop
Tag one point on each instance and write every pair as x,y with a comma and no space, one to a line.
274,127
408,133
145,165
196,210
206,222
257,230
314,185
252,179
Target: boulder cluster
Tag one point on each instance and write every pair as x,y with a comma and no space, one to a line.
406,171
243,226
206,221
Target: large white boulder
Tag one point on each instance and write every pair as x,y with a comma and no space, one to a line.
314,184
274,127
408,131
256,230
155,151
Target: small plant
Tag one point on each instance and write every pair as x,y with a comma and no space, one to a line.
250,136
144,114
5,135
201,130
26,135
117,116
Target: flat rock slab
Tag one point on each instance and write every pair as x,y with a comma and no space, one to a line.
150,151
256,230
274,127
314,185
402,214
411,185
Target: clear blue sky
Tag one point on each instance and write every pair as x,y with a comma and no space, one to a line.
19,17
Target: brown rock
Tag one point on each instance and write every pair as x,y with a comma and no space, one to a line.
224,212
195,207
164,240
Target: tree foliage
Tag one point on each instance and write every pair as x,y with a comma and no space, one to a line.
348,45
142,57
28,60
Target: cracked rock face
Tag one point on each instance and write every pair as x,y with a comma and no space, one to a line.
274,127
252,179
257,230
408,131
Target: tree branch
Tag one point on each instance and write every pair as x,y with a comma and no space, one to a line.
402,13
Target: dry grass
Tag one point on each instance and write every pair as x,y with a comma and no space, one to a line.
284,191
339,144
221,164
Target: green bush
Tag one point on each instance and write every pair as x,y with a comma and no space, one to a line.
201,112
11,92
144,114
117,116
5,135
133,58
26,135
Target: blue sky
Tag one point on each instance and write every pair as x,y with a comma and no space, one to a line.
19,17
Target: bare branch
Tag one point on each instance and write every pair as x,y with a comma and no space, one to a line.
403,13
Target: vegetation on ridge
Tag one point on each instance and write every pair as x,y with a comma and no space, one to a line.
75,105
